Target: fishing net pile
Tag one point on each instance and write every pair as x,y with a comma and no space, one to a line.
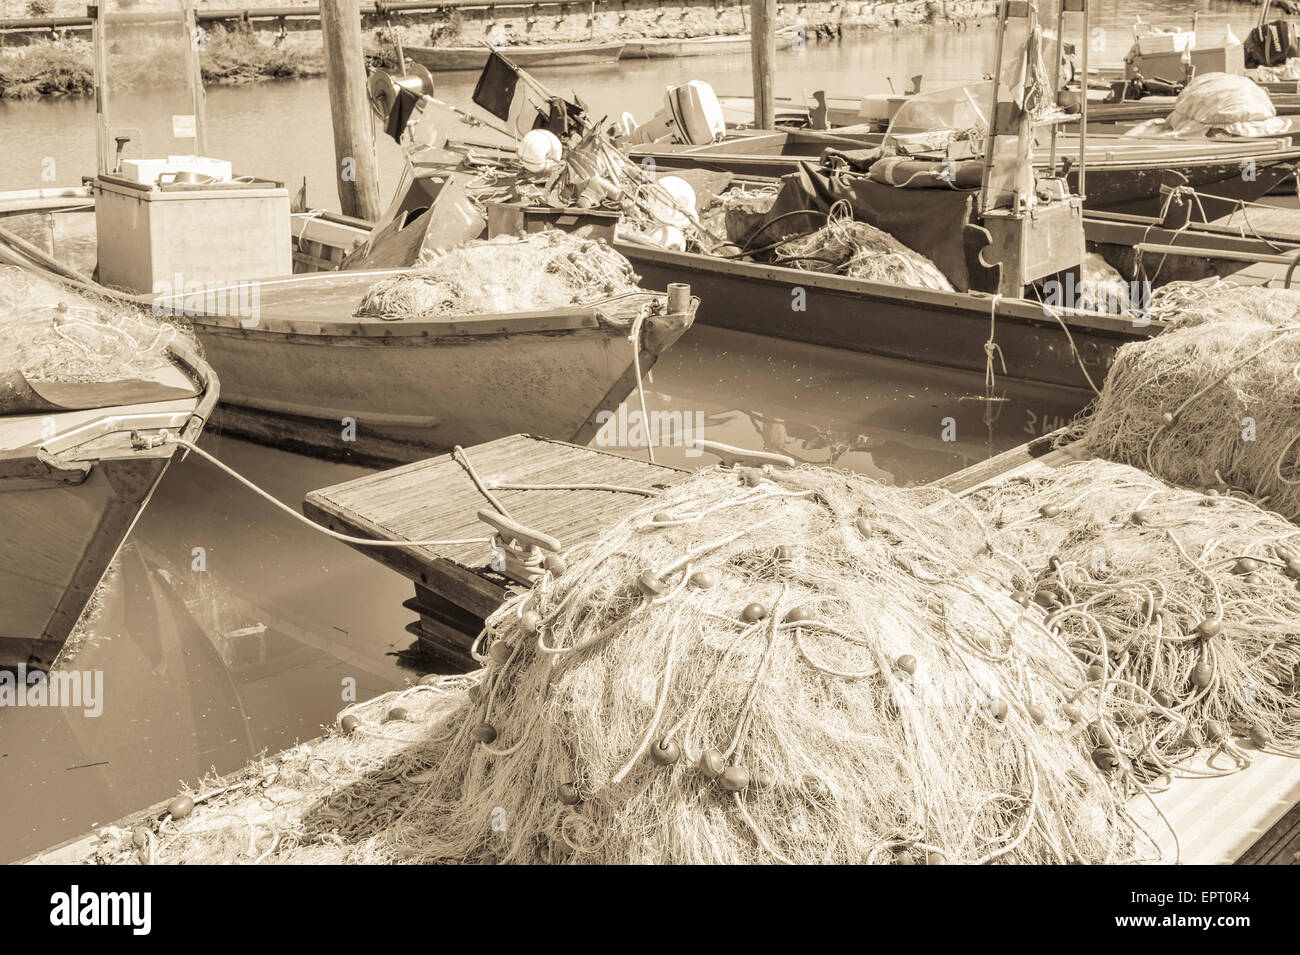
753,668
51,333
543,270
1183,606
1213,401
849,247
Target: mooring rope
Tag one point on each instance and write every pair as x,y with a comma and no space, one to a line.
169,438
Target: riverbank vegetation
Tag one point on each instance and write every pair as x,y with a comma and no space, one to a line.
66,67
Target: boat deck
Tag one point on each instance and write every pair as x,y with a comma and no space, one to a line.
1249,817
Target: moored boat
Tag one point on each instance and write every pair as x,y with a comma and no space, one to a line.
449,58
312,376
79,460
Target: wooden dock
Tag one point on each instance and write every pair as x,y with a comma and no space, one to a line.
438,499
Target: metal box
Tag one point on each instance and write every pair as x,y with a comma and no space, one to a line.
1034,244
1169,66
150,237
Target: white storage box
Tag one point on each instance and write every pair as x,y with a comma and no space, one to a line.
1166,42
147,171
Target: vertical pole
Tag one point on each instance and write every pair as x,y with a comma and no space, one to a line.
354,145
197,93
763,47
105,164
1083,106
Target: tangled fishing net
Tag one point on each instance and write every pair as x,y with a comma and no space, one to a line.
52,333
1212,401
754,668
849,247
1183,606
535,272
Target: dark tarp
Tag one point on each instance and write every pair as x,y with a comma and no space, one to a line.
401,112
19,396
932,222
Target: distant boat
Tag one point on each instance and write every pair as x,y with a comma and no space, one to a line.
447,58
78,463
656,47
312,377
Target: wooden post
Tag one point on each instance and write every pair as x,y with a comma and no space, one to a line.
763,46
354,144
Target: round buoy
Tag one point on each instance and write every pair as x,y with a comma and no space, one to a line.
1202,674
1049,510
650,584
180,807
1036,713
711,764
864,526
705,579
666,752
753,613
1022,597
500,653
541,151
569,794
530,621
397,714
761,780
734,779
1209,627
348,724
484,733
798,615
1073,712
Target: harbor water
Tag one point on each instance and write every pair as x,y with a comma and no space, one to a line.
225,629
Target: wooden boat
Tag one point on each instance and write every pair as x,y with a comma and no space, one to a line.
657,47
447,58
310,376
78,463
1123,174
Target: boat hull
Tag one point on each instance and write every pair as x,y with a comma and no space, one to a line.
384,398
447,58
657,48
938,328
65,513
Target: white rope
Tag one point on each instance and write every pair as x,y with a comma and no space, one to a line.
169,438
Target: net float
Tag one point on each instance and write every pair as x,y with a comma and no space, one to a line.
348,724
1163,699
650,584
396,715
666,752
1259,736
1216,731
1105,759
734,779
1139,517
798,615
864,526
998,709
530,621
1036,713
753,613
569,795
661,518
906,664
1202,674
1096,673
1209,627
761,780
1167,418
711,764
1073,712
180,807
1049,510
1022,597
500,653
484,733
705,579
1245,565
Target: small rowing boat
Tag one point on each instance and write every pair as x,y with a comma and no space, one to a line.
79,460
448,58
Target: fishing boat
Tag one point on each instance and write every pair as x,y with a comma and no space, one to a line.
658,47
1124,174
79,461
310,375
448,58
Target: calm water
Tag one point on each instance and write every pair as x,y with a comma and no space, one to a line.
204,669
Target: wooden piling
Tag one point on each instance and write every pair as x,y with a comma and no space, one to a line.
354,144
763,46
